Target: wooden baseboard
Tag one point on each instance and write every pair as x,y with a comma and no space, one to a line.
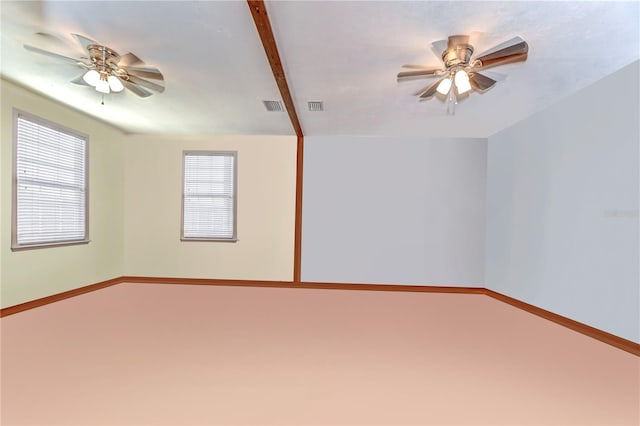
204,281
391,287
57,297
603,336
303,285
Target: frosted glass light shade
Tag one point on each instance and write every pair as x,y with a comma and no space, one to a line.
115,84
91,77
444,86
102,86
462,82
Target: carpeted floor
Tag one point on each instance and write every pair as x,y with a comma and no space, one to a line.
145,354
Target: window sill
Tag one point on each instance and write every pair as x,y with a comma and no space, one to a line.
48,245
214,240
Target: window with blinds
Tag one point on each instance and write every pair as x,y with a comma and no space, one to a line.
209,196
50,184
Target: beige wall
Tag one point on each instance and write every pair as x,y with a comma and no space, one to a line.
266,209
32,274
135,204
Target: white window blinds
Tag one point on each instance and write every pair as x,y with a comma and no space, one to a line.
209,196
50,184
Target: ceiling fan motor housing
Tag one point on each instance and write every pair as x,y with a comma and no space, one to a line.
105,60
103,54
458,51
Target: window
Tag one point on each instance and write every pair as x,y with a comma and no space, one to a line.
49,185
209,196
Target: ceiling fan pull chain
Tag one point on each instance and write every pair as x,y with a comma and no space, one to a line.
452,100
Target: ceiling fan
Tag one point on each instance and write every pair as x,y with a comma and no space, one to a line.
107,71
459,73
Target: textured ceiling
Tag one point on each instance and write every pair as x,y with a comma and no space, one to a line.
344,53
348,53
214,65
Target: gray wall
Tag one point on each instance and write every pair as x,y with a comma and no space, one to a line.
394,210
562,207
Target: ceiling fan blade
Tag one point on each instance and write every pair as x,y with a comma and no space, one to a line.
438,47
130,60
144,83
417,67
429,91
84,41
494,75
54,55
481,82
140,91
422,73
145,72
54,42
515,46
80,81
492,62
52,38
504,45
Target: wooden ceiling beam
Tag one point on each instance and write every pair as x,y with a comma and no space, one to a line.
263,25
261,19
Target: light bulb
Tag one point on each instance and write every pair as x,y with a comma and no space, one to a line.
444,86
115,84
103,86
92,77
462,82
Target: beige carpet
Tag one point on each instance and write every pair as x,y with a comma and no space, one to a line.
144,354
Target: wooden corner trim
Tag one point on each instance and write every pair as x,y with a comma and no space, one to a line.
57,297
297,238
587,330
603,336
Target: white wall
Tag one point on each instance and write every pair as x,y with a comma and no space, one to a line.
562,207
266,209
394,210
31,274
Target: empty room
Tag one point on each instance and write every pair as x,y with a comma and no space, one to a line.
320,212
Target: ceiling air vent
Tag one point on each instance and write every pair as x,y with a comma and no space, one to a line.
315,106
273,105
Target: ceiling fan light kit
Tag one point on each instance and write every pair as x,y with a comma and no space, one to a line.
460,74
462,81
107,71
103,74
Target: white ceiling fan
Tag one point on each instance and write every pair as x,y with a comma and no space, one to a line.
107,71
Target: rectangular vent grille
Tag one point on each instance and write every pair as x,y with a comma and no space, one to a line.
315,106
273,105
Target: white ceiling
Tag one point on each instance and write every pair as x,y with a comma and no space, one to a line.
344,53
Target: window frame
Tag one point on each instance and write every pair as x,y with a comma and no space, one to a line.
234,154
15,246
